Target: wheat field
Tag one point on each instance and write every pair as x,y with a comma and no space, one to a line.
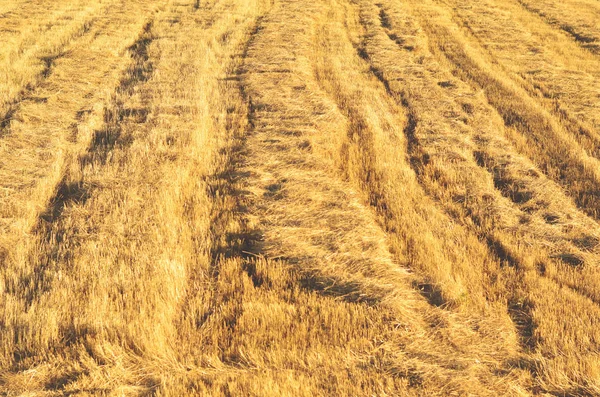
300,198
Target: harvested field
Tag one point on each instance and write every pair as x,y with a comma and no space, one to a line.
300,198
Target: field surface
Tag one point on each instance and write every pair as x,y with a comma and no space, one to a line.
300,198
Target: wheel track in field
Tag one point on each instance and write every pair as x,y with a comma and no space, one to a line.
75,117
560,163
47,57
506,169
421,149
279,164
381,130
520,183
295,211
29,263
562,83
516,179
561,78
556,15
51,231
36,56
132,122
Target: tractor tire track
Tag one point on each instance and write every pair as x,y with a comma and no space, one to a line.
29,55
582,27
293,197
514,177
28,263
425,149
566,110
52,231
37,147
299,216
163,138
518,181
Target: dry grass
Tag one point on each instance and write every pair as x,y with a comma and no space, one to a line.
578,18
279,197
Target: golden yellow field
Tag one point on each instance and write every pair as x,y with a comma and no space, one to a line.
300,198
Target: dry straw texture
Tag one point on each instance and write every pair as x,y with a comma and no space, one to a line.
292,197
